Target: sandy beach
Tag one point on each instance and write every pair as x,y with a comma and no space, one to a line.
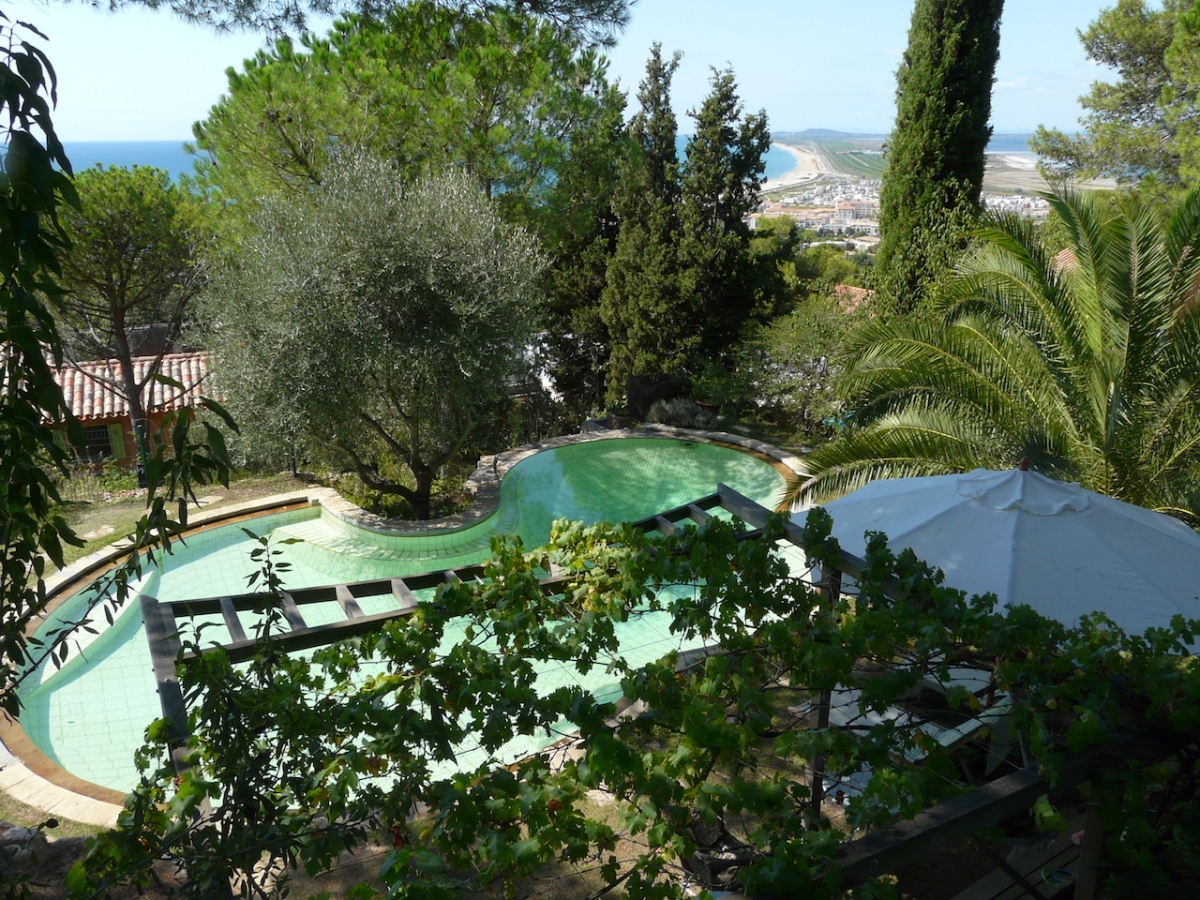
808,167
1008,172
1021,161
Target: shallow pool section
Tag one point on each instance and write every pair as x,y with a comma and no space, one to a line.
90,715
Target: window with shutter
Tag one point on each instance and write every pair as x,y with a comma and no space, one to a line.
116,438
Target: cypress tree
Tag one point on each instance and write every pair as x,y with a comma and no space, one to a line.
641,303
935,165
720,185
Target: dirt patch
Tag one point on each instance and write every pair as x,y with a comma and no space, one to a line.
45,870
41,866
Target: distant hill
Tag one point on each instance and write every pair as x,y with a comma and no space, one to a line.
1006,142
816,134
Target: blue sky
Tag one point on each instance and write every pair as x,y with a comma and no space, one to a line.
144,75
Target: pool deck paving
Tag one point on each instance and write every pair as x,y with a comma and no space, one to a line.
27,775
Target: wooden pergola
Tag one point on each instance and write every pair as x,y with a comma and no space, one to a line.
875,854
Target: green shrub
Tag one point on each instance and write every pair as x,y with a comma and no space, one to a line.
449,496
681,413
94,482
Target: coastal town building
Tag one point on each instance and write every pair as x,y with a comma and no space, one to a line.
1026,207
849,204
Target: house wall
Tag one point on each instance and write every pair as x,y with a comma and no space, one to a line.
120,430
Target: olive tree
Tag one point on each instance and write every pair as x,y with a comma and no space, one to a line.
378,322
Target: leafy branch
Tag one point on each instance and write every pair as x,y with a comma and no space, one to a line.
423,731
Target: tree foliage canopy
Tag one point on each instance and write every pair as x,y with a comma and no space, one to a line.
429,86
593,20
501,94
1084,362
935,153
135,261
642,305
579,232
719,187
704,774
681,282
377,322
1139,129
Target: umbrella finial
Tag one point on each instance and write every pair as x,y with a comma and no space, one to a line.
1023,465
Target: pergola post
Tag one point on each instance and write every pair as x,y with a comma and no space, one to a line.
831,588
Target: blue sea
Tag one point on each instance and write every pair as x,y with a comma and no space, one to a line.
779,162
1009,143
171,156
168,155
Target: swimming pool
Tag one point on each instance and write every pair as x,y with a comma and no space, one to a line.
89,716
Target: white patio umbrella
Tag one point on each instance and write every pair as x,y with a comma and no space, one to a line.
1027,538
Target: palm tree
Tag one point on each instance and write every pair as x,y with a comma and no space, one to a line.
1086,362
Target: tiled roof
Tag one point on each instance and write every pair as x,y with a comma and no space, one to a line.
850,297
91,398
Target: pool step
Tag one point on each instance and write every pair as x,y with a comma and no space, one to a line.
317,537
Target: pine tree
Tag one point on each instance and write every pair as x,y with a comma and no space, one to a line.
936,151
1138,128
681,282
579,230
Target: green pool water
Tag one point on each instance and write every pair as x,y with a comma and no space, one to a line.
90,715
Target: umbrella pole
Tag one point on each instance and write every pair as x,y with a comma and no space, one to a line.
831,587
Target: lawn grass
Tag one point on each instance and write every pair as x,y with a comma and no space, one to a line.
18,813
104,522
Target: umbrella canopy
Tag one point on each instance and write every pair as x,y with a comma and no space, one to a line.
1027,538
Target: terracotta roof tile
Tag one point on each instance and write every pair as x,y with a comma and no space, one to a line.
91,398
850,297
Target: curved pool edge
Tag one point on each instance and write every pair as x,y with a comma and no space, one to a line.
35,779
30,776
484,482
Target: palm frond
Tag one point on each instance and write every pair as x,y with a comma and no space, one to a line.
917,441
987,375
1089,364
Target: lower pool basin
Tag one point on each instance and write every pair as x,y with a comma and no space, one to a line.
90,715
